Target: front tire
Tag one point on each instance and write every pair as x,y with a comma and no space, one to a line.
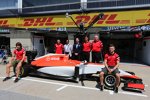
109,81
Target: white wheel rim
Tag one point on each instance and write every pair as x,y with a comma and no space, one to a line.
110,80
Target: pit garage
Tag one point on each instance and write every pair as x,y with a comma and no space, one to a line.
44,42
124,42
4,37
130,45
4,42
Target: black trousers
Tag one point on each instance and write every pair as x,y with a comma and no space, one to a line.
86,56
96,57
76,57
67,53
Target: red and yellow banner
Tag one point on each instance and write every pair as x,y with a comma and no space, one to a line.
121,18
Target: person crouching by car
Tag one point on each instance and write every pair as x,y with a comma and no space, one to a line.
58,47
86,49
17,59
77,49
68,49
111,62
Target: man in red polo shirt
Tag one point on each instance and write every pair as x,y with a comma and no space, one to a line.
97,46
111,62
17,59
86,49
58,47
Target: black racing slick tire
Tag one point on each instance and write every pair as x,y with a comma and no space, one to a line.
24,71
109,81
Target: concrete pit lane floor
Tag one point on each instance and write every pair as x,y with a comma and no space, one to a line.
36,88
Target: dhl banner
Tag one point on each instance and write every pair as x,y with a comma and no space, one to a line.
121,18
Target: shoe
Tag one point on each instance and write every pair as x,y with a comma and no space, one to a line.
116,90
101,87
16,80
6,78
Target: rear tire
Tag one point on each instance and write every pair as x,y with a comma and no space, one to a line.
24,71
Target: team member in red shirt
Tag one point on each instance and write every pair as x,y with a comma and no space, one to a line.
86,49
59,47
111,62
17,59
97,46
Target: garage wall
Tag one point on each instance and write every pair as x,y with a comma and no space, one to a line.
146,50
23,36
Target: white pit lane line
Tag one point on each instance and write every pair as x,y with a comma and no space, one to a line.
111,92
61,88
81,87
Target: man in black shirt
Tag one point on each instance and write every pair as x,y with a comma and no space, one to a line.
77,49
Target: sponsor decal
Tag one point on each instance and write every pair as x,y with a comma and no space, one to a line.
52,58
4,30
55,58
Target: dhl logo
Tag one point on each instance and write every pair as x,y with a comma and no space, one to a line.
107,19
46,21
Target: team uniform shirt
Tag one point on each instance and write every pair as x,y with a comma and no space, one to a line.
86,46
112,59
59,48
97,46
19,54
